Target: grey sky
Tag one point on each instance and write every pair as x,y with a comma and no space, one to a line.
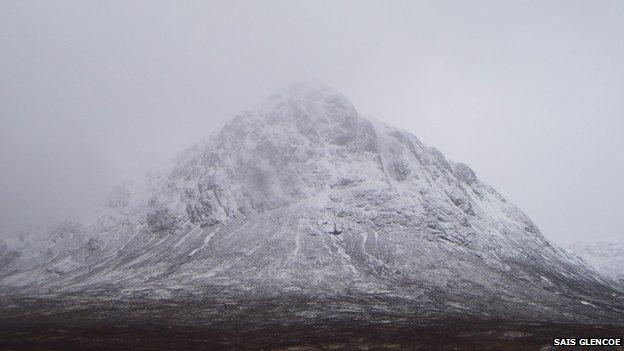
529,93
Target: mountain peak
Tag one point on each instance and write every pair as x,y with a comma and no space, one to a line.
308,98
304,194
303,90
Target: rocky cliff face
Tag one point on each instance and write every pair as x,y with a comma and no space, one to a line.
304,194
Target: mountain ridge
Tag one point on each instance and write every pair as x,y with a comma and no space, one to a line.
606,255
303,194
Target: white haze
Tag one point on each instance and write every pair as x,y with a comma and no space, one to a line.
529,93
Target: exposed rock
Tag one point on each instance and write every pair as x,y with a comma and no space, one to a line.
465,173
160,219
304,194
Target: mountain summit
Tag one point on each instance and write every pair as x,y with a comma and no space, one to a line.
303,195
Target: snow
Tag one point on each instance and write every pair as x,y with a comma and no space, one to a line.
254,207
606,256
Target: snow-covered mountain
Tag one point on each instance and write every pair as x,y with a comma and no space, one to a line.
303,194
607,256
7,255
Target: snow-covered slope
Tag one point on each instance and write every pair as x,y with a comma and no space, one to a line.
304,194
607,256
7,256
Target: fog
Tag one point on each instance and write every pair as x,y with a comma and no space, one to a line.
528,93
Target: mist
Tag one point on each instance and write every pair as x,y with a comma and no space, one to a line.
528,93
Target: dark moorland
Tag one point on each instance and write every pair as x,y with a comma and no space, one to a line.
285,323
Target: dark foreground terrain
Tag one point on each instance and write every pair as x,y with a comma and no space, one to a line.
336,335
77,322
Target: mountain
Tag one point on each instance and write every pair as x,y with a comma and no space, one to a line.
607,256
7,255
302,195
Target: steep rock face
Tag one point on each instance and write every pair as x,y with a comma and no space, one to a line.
607,256
304,194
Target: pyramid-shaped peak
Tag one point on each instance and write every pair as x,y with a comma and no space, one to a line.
306,195
305,100
308,91
309,86
305,88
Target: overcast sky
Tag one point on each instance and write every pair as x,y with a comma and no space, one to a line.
529,93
